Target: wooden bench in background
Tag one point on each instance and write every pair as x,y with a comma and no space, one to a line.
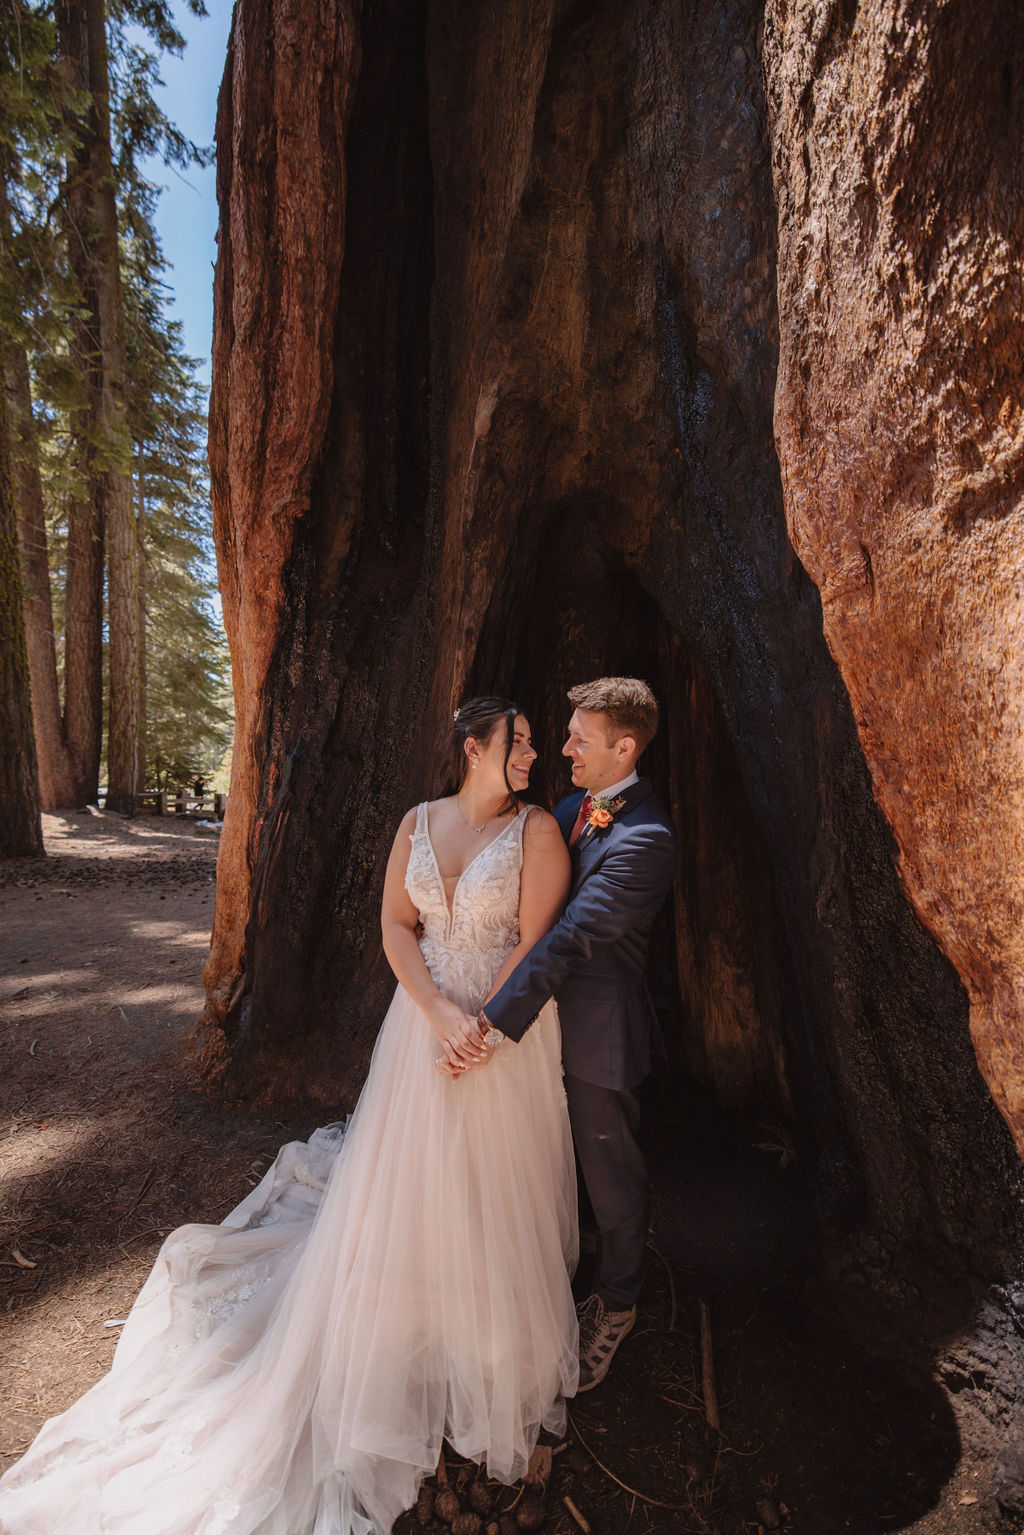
184,803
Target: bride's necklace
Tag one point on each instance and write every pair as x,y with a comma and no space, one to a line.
478,829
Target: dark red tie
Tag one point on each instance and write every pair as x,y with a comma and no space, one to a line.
581,819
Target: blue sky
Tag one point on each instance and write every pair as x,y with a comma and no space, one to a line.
186,217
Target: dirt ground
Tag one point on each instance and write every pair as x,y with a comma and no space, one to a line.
106,1145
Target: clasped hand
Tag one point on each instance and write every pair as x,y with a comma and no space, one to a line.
459,1035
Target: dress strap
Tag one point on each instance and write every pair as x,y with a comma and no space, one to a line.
421,818
522,816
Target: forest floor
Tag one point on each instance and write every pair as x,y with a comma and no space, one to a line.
107,1145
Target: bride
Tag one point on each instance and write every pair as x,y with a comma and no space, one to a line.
396,1280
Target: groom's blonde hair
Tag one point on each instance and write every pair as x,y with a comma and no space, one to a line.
629,704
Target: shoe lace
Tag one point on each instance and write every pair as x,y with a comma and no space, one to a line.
591,1318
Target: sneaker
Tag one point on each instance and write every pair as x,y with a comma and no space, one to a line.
601,1332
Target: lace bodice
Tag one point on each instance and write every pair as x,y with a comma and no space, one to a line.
465,944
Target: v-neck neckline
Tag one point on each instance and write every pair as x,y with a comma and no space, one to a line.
450,905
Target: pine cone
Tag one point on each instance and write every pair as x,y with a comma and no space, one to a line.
531,1514
480,1500
446,1505
425,1505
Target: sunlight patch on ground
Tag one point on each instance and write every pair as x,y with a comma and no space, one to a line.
100,836
145,996
23,985
168,931
191,938
36,1148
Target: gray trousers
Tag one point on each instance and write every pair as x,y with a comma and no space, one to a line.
605,1124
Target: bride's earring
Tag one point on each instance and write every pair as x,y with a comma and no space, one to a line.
474,767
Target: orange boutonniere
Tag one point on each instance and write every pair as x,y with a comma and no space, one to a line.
602,812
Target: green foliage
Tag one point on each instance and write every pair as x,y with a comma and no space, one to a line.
220,783
189,707
38,294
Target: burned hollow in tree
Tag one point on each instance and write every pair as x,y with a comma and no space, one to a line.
554,340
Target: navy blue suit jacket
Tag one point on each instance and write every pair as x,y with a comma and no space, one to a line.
592,960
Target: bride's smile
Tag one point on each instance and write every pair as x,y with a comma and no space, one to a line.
496,767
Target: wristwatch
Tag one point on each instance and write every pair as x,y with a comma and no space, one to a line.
492,1036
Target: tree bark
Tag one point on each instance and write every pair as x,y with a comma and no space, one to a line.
279,357
901,438
56,778
103,427
596,450
83,597
496,350
56,773
21,831
140,537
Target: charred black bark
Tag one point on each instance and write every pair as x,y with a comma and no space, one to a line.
549,454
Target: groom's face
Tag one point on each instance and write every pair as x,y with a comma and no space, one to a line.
597,761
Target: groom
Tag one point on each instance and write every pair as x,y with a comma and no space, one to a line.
623,860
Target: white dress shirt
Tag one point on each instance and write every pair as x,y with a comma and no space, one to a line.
616,788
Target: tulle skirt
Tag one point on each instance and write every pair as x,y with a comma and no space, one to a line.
394,1281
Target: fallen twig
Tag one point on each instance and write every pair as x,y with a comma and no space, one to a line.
153,1231
675,1508
574,1511
147,1180
708,1368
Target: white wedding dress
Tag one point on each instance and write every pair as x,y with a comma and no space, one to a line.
397,1280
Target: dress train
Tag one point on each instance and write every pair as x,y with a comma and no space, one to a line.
394,1281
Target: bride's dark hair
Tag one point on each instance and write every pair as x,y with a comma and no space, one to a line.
477,718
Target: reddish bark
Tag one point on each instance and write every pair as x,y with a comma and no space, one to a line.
601,374
56,775
901,439
21,832
496,342
495,407
281,233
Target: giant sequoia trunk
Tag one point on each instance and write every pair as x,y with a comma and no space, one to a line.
497,335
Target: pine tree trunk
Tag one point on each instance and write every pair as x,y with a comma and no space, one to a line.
21,832
83,596
56,775
140,525
93,234
83,645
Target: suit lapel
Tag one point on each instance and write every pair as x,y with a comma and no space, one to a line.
591,842
635,794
